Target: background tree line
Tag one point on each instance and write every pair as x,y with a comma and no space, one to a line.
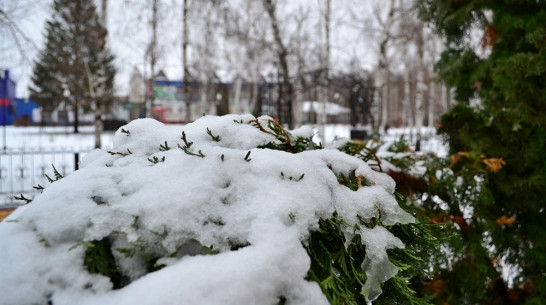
253,41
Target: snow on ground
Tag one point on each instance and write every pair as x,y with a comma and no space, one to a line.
52,137
158,194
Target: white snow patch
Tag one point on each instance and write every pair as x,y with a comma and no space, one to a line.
175,202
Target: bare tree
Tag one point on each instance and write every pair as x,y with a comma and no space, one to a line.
19,36
382,83
99,96
152,53
282,55
185,42
420,83
302,47
206,58
324,60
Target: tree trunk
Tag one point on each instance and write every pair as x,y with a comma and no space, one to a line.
324,60
406,102
420,87
101,75
153,58
185,40
282,55
254,100
431,101
206,66
383,67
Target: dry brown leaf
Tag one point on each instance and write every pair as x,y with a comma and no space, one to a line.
506,221
494,164
456,157
489,37
360,181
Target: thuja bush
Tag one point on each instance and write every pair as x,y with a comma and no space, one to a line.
226,210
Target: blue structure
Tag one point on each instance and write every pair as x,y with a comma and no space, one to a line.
23,111
13,110
7,98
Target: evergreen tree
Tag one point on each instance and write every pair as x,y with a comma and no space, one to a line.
497,136
75,68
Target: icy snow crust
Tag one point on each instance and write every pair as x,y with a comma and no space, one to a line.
177,205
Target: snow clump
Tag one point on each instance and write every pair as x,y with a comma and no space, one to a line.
195,214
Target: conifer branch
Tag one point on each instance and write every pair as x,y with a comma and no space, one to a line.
23,198
156,160
58,175
186,143
120,153
187,151
164,147
214,138
247,159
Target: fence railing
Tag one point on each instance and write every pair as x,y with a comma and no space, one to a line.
21,170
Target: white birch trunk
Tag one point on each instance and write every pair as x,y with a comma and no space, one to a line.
185,41
152,52
431,104
205,105
324,58
420,87
406,102
383,67
99,93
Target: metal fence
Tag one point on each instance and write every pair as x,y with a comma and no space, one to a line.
22,170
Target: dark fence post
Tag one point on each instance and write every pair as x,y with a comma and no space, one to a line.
76,161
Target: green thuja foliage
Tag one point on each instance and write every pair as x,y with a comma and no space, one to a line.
99,260
335,267
286,142
496,135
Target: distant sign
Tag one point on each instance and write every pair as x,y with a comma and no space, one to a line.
168,92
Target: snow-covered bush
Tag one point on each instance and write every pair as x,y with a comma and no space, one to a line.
226,210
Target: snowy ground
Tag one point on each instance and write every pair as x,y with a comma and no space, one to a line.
47,138
31,152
